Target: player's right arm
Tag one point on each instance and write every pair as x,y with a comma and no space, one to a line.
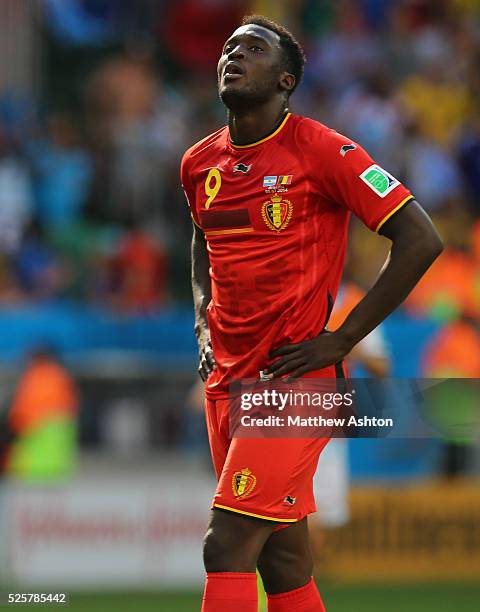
202,294
201,283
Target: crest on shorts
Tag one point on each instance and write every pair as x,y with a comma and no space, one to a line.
243,483
277,212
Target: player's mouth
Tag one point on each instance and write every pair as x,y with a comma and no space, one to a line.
232,71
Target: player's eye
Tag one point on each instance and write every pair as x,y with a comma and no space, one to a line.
256,48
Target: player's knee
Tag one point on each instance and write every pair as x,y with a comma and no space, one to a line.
219,555
213,552
287,562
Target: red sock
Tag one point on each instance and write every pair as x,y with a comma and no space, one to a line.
230,592
304,599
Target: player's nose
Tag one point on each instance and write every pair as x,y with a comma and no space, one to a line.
236,53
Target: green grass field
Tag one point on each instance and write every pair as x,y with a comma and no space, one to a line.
443,597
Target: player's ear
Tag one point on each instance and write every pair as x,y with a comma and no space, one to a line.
287,81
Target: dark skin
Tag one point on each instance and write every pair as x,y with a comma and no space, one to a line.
257,97
239,543
202,294
255,88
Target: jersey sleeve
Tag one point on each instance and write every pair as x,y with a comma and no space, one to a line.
188,188
353,179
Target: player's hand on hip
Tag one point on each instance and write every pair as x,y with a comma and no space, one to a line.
298,359
206,363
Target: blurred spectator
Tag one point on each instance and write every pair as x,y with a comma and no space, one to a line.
431,173
39,272
454,352
43,418
16,194
119,101
397,42
85,250
370,114
348,51
139,272
439,101
121,91
62,173
449,288
137,124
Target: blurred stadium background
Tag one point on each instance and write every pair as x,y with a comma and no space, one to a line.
106,479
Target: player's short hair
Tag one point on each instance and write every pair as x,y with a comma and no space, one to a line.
293,53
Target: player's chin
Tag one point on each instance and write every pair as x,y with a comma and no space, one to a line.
227,86
232,94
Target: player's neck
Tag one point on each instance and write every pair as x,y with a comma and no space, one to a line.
254,125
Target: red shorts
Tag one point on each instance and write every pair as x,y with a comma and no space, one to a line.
268,478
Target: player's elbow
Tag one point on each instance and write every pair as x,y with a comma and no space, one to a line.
430,246
412,232
417,249
422,242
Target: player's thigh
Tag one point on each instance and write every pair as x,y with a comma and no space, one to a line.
233,541
285,562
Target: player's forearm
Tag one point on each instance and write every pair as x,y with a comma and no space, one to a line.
416,245
201,284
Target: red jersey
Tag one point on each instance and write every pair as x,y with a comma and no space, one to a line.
275,215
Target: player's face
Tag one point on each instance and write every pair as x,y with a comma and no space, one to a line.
250,67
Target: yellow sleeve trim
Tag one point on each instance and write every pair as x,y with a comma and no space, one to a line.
239,230
254,144
392,212
267,518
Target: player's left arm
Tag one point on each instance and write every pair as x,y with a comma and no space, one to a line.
415,246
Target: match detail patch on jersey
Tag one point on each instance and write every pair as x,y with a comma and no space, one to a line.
269,181
379,180
277,213
243,483
274,184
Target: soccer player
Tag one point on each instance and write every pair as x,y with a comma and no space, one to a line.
270,195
